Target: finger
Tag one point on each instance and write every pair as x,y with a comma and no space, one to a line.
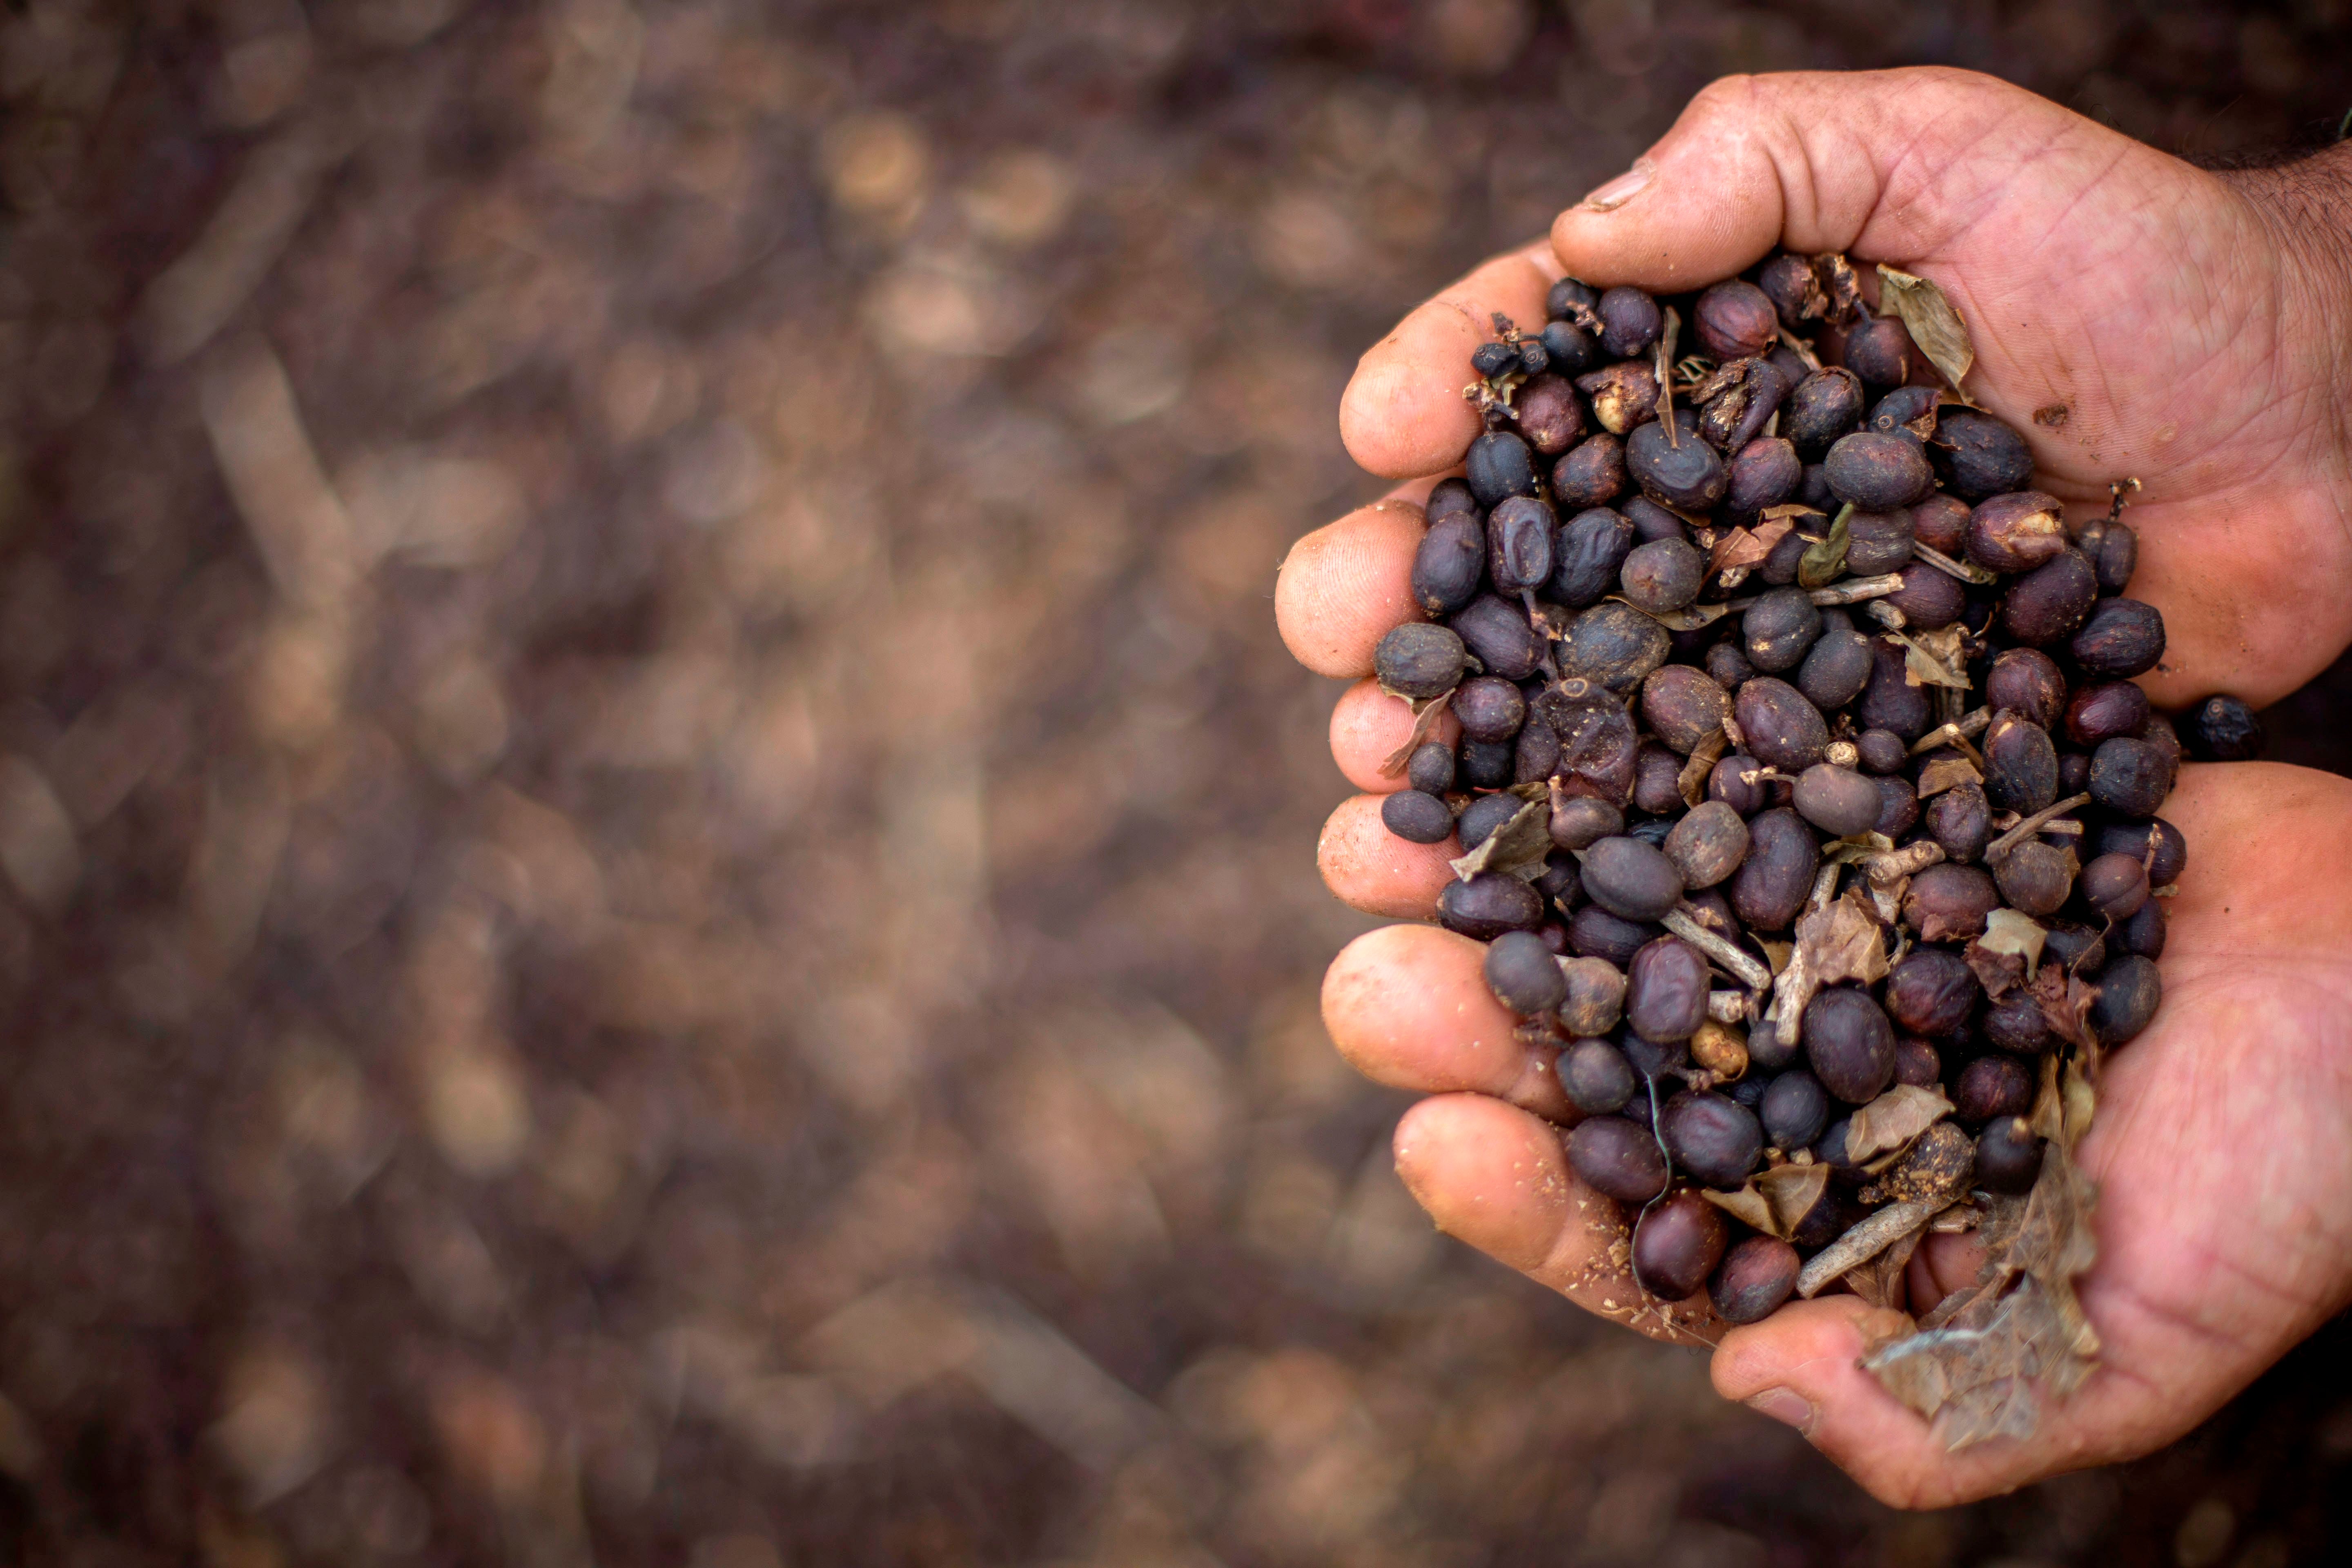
1368,726
1345,585
2257,639
1497,1178
1942,1265
1885,163
1403,412
1372,869
1409,1007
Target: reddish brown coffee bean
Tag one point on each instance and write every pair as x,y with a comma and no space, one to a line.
1757,1274
1709,844
2026,681
1678,1244
2017,532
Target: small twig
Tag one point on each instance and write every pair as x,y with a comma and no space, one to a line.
1967,725
1886,615
2115,497
1743,965
1674,327
1866,1241
1854,590
1967,572
2031,825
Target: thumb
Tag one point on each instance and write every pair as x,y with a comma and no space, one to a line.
1893,165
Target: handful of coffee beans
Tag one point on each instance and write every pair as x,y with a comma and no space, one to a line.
1805,801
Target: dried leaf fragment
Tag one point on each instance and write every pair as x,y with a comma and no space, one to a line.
1941,773
1892,1120
1749,546
1525,840
1426,712
1935,326
1775,1200
1825,558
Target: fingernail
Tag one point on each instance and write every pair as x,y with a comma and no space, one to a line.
1788,1408
1621,189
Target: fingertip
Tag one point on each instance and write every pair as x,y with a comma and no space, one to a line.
1345,585
1489,1175
1371,869
1368,726
1408,1006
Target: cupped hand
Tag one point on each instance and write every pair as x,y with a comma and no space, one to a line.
2132,316
2171,338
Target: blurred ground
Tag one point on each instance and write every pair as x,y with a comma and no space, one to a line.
659,860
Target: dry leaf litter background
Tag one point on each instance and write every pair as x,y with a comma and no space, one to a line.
659,900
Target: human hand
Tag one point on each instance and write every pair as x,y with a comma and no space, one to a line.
2219,1127
2194,327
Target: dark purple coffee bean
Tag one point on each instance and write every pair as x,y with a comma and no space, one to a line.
1523,975
1950,903
1499,465
1941,523
1877,543
1417,817
1611,645
1617,1159
1932,992
1551,417
1483,816
1594,932
1657,789
1598,744
1561,885
1496,632
1836,669
1780,565
1902,408
1961,819
1554,932
1596,996
1676,1245
2015,1024
2076,947
1630,320
2223,729
1882,751
2123,638
1489,904
1654,1059
2009,1157
1534,754
1779,628
1520,535
1777,726
1712,1137
1929,597
2017,532
1593,545
2128,778
1631,879
2117,558
1431,767
2073,773
1591,474
1898,807
1788,281
1849,1044
1977,455
2132,839
1623,395
1917,1062
1490,708
1535,360
1447,497
1725,783
1666,990
2035,877
1570,350
2144,932
2115,886
2026,681
1736,321
1650,521
1707,844
1821,408
1494,359
1487,766
1889,702
1879,350
2051,601
1450,563
2102,713
1764,473
1839,801
1756,1276
1875,472
1595,1077
1417,659
1795,1110
1581,820
2021,764
1991,1088
1686,473
1565,297
1683,706
1772,884
1664,574
2128,990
